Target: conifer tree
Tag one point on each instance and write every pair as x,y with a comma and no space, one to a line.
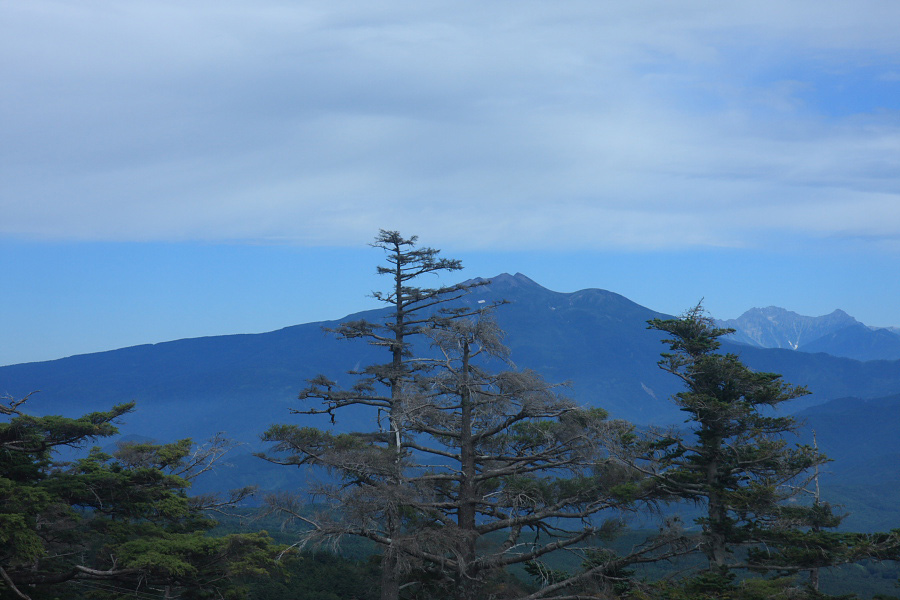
123,519
505,455
737,461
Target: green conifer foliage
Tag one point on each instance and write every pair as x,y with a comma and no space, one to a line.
120,521
737,462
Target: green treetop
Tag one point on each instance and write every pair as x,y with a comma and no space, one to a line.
122,521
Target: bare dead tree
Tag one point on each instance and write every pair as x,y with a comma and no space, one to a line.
372,466
504,453
488,455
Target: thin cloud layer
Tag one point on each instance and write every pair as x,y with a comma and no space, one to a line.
497,125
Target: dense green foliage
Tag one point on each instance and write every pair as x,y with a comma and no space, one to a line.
320,576
124,518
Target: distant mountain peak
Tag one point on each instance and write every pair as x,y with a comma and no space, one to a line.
507,280
776,327
779,313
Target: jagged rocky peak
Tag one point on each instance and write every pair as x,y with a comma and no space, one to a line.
776,327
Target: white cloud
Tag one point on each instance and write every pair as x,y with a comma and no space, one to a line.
501,125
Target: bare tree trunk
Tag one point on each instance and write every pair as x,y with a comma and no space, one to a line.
12,585
814,572
390,581
468,585
717,545
717,514
390,572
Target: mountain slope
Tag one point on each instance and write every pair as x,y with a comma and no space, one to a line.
860,436
240,384
594,339
859,342
194,387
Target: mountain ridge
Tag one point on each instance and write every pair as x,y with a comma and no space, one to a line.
595,339
776,327
836,333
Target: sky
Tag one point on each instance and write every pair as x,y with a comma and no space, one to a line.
180,169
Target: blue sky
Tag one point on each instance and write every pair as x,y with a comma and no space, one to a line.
177,169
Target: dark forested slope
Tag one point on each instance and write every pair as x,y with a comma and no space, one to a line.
594,339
